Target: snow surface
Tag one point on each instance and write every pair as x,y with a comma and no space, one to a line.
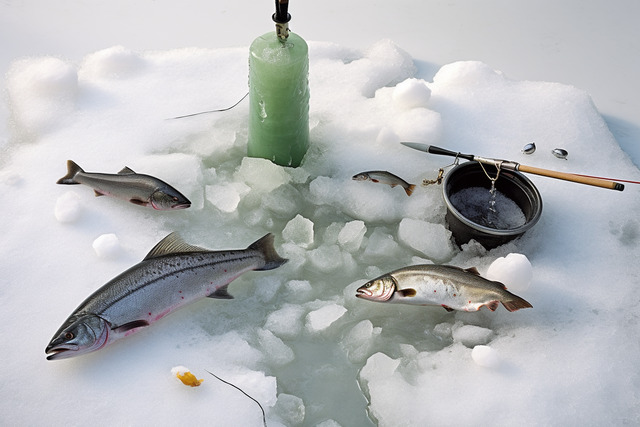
296,338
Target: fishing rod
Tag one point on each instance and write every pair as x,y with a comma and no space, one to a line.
513,166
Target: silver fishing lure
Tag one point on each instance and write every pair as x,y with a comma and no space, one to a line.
529,148
560,153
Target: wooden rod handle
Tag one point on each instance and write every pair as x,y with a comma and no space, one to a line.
598,182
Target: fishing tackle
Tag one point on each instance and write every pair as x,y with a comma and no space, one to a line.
560,153
529,148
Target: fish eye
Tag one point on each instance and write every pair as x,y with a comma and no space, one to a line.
69,336
175,199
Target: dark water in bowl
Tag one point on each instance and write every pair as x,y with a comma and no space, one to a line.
474,204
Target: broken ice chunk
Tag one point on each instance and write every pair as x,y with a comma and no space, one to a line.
322,318
351,235
299,231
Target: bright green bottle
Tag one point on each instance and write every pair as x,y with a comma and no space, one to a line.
279,96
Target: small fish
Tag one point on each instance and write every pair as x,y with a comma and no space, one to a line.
560,153
171,276
530,148
442,285
384,177
143,190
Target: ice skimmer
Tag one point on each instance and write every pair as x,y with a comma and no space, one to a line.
513,166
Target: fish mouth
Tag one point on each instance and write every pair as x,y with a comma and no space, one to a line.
60,351
181,206
363,293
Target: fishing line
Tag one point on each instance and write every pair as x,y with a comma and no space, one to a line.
211,111
264,418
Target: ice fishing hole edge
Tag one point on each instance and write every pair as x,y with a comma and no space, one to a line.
513,185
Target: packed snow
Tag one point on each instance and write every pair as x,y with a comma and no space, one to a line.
296,339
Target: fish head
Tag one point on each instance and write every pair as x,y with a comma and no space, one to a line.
360,177
165,199
78,335
380,289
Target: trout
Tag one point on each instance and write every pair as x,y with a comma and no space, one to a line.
171,276
441,285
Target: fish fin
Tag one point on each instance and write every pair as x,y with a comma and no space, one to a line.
409,189
221,293
172,244
130,325
97,193
516,303
126,171
446,307
408,292
72,170
265,246
472,270
138,202
493,305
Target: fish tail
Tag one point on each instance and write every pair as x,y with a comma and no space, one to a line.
515,303
72,170
271,258
409,189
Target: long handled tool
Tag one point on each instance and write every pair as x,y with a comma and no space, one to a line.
513,166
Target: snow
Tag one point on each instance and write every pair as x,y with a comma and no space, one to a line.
296,338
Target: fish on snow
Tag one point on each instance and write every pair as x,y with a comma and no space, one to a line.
384,177
172,275
139,189
450,287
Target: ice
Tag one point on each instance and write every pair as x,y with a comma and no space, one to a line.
296,338
320,319
277,352
226,197
432,240
285,322
261,174
351,235
514,270
471,335
485,356
290,409
106,245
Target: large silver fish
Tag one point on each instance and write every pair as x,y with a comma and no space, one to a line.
171,276
449,287
139,189
384,177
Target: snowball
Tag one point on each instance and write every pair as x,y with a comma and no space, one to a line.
68,208
261,174
411,93
485,356
351,235
433,240
299,231
324,317
106,245
514,271
470,335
